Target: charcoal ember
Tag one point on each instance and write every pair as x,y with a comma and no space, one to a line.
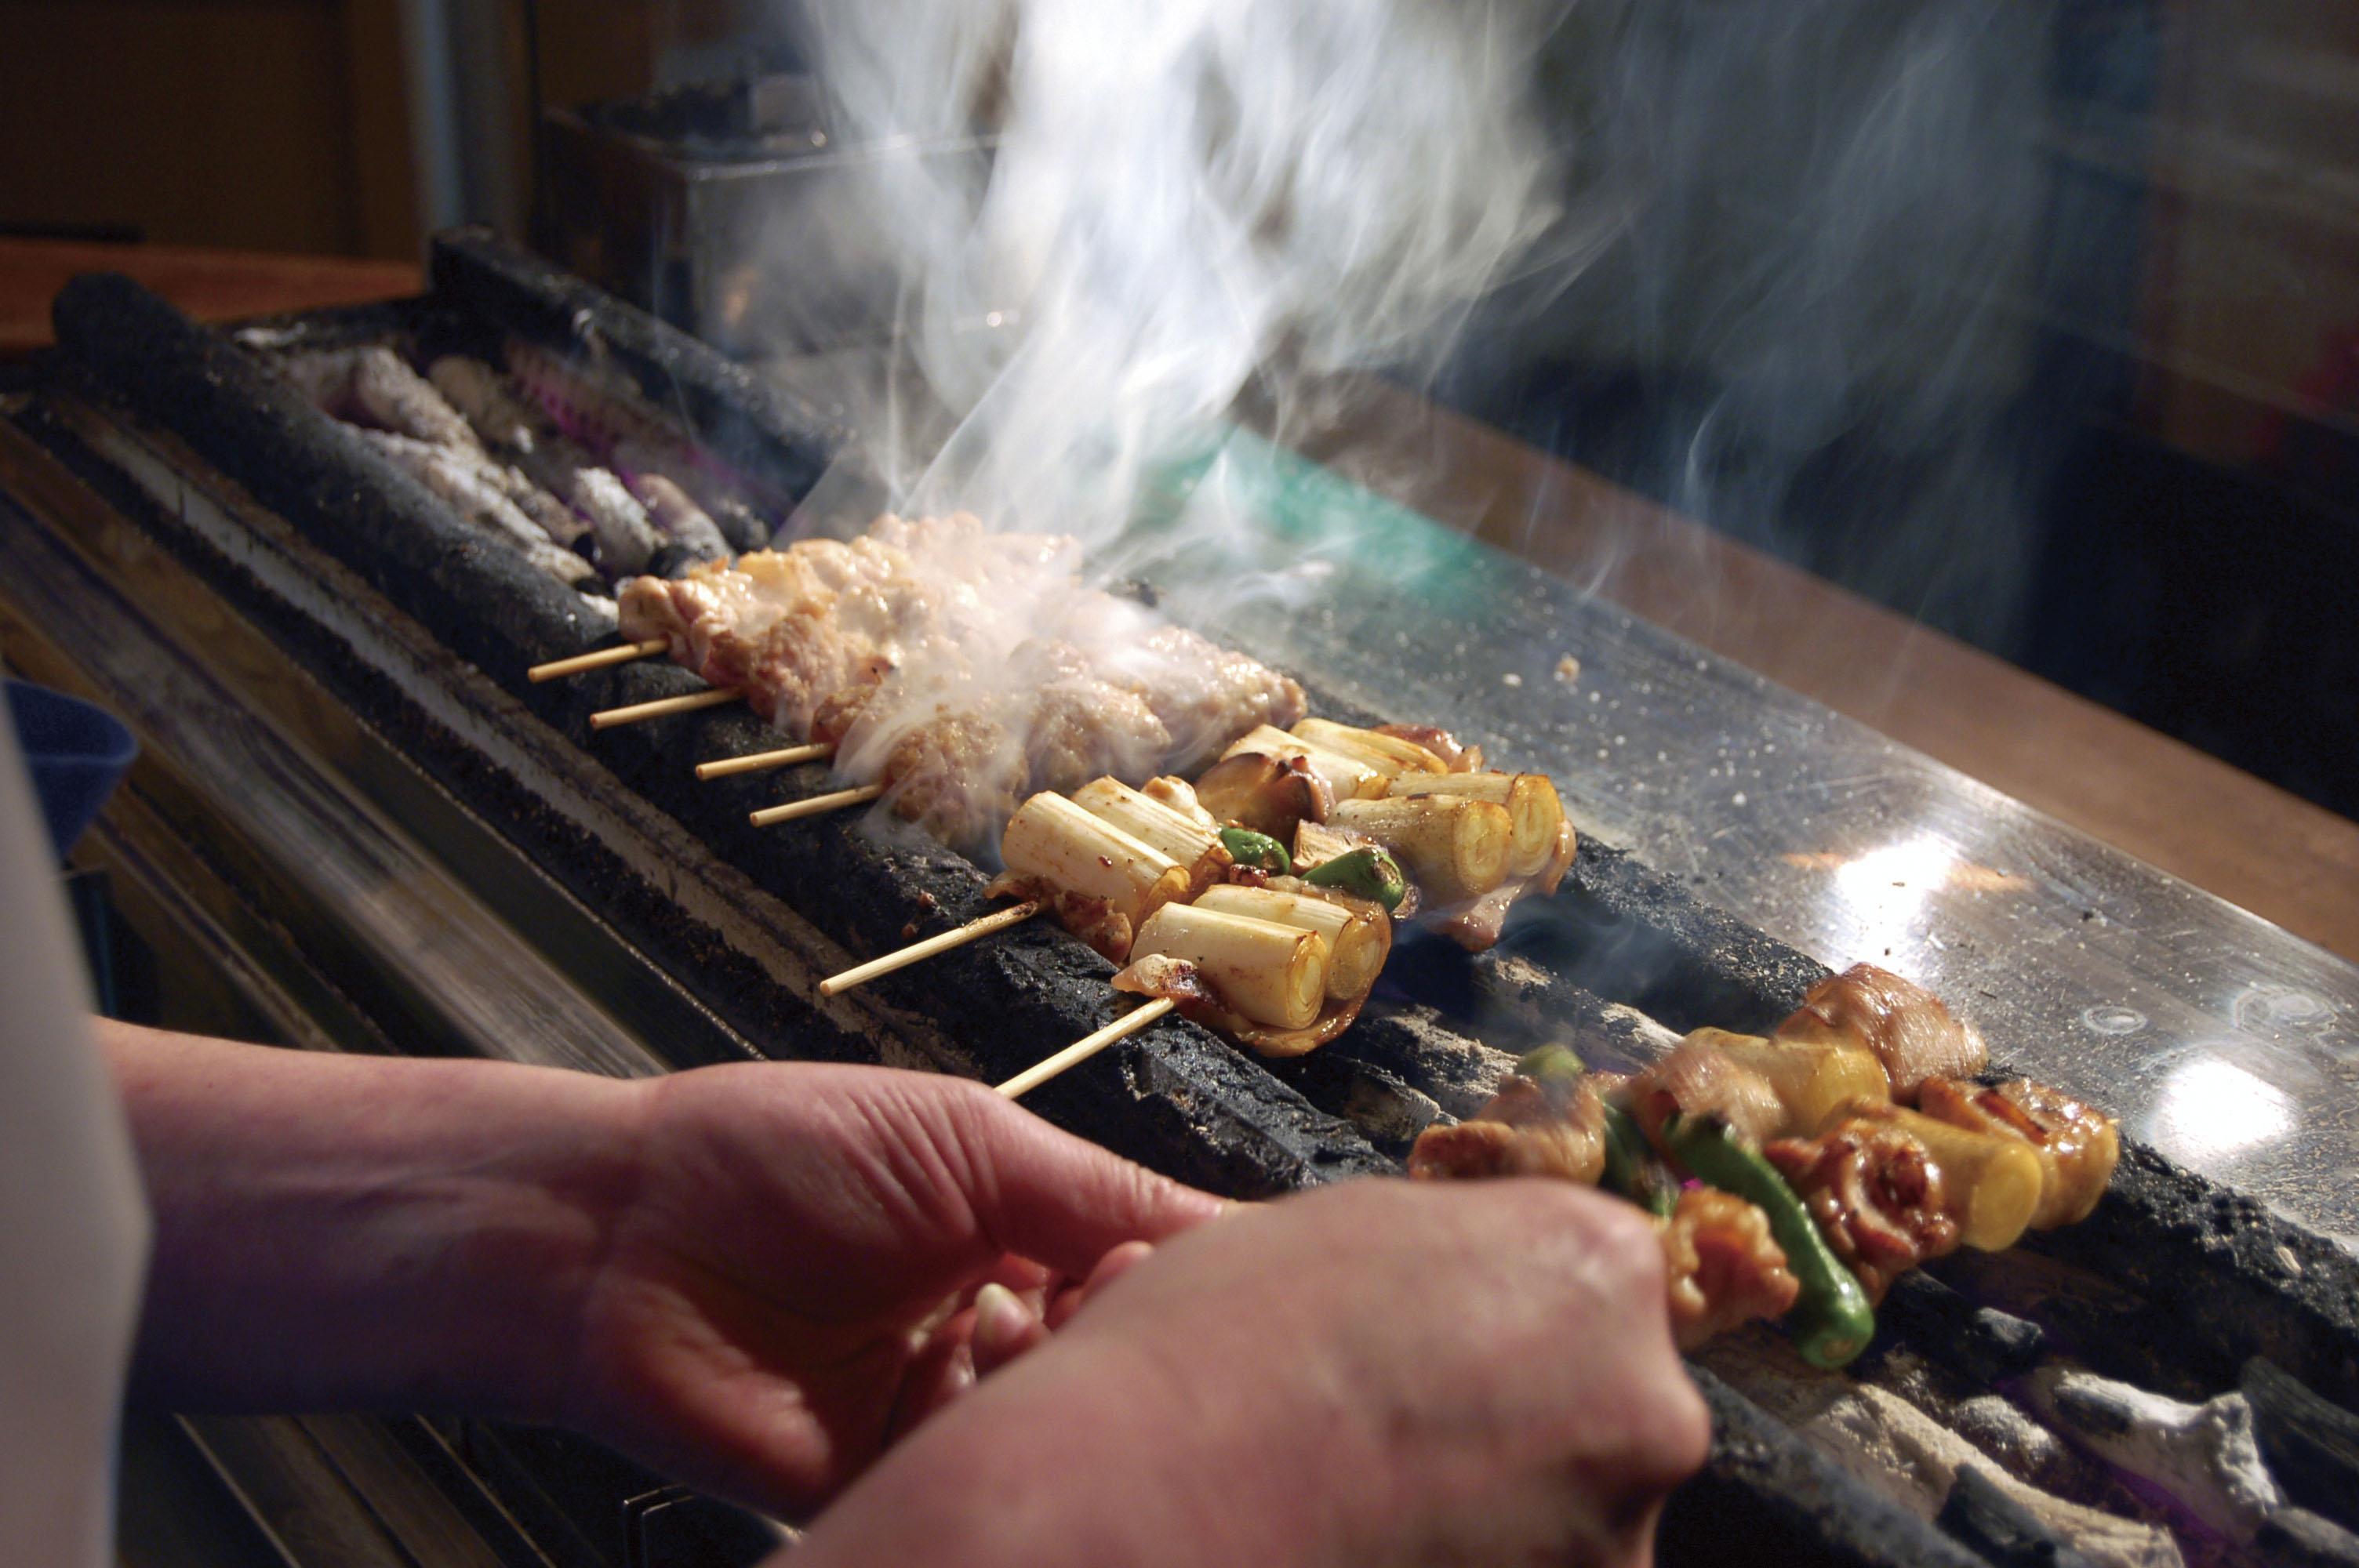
740,524
2296,1538
1413,1046
2311,1444
1999,1528
676,559
1765,1498
1982,1343
1387,1112
2205,1456
759,426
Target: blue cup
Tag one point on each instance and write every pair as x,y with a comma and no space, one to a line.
76,754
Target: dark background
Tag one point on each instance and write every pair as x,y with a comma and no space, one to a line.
2036,321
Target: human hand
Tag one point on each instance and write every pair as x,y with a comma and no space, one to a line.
1378,1373
788,1282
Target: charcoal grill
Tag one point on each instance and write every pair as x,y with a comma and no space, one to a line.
387,840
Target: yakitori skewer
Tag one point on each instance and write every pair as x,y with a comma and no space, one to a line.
758,761
973,930
817,806
607,718
599,659
1089,1046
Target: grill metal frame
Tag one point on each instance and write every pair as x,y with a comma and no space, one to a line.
281,591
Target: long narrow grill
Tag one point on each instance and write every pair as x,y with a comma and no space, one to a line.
2176,1284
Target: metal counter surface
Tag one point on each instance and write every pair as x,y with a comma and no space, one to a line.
2227,1043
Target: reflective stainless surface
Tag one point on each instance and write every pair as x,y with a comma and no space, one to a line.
2230,1045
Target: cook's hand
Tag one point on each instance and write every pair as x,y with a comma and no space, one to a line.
1381,1373
789,1282
753,1277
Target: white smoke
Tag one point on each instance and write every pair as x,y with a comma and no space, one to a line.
1187,195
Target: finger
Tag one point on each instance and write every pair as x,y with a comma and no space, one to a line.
1111,1267
1047,1195
1004,1328
942,1369
1033,1283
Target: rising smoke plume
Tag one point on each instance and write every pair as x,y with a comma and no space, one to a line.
1186,194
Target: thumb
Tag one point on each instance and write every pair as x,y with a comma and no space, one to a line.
1044,1193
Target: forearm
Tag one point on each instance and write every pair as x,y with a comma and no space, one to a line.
337,1231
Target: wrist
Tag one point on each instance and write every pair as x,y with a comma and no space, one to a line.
516,1243
344,1232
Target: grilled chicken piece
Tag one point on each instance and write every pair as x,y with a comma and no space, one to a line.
1724,1266
1696,1079
1553,1126
2078,1144
1084,726
958,776
1876,1195
1911,1032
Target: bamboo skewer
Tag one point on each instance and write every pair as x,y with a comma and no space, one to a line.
756,761
816,805
998,920
603,658
608,717
1089,1046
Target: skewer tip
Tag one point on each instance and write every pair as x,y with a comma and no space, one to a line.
597,659
785,757
1082,1050
816,806
607,718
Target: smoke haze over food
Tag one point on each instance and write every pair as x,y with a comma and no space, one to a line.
1187,194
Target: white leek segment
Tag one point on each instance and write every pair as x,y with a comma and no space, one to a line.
1180,796
1184,840
1052,838
1813,1082
1388,754
1347,777
1273,974
1530,799
1358,940
1454,848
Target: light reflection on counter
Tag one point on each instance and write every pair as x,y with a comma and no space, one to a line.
2208,1112
1882,894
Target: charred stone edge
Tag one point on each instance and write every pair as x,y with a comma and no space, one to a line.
2224,1279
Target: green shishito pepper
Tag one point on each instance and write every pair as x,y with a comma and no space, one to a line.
1260,851
1631,1169
1833,1322
1551,1062
1365,874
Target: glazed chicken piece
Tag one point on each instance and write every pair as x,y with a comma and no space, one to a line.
1911,1032
1724,1266
1553,1126
1875,1194
1698,1080
2078,1144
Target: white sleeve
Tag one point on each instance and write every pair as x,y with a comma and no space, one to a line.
74,1223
